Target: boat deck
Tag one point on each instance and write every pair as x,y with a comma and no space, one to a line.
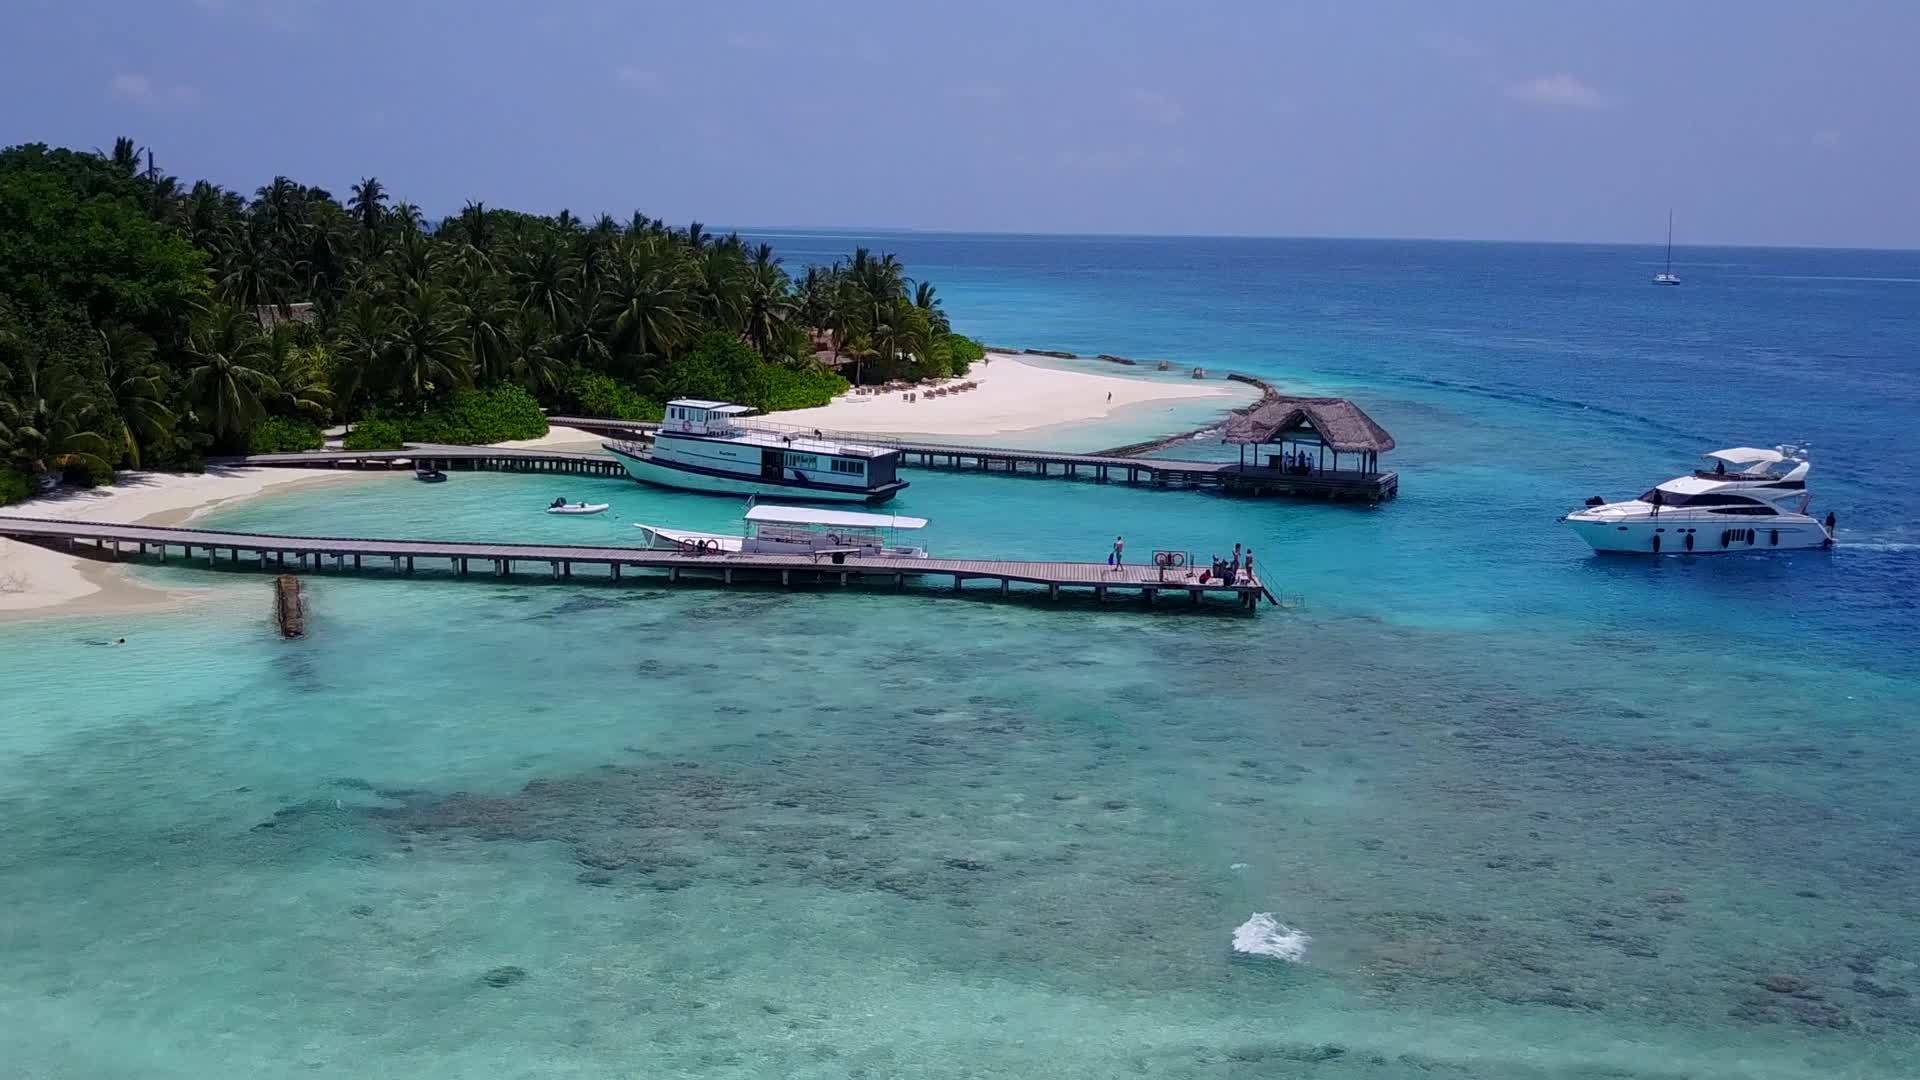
315,554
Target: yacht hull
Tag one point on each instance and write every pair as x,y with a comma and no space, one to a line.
1709,535
649,471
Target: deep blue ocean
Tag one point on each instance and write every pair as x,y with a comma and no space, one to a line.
1540,813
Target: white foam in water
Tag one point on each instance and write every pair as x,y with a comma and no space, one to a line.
1263,935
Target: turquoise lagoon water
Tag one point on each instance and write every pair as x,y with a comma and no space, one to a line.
1541,814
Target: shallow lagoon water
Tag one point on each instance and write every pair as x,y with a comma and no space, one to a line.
1541,814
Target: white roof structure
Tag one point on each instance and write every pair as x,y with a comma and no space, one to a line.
724,408
806,515
1748,455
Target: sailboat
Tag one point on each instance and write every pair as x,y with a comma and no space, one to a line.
1667,276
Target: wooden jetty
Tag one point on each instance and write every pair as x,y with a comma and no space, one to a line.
319,554
1274,477
444,458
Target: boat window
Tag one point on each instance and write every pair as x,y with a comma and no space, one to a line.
1701,498
843,465
1750,511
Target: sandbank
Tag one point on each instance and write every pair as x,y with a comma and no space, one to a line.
33,579
1013,396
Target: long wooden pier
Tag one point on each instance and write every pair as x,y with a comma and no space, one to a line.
445,458
319,554
1102,468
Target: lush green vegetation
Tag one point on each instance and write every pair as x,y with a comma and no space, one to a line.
14,486
374,435
147,323
279,435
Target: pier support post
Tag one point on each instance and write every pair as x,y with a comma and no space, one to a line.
409,564
1005,584
460,567
356,560
555,567
784,578
143,549
1194,596
726,576
843,579
956,582
616,571
1100,593
673,574
899,581
1148,593
1053,590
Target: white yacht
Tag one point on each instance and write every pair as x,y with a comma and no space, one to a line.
1750,499
699,447
798,530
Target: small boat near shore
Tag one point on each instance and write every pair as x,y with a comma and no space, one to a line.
1762,506
578,509
798,530
429,475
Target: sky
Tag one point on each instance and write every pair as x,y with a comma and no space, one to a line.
1759,122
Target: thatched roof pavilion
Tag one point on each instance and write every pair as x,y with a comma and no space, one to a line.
1303,429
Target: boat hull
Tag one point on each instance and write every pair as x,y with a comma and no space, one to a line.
1710,536
649,471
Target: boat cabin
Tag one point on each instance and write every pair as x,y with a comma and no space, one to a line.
804,528
690,416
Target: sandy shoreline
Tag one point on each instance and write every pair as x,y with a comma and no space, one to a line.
34,580
1012,396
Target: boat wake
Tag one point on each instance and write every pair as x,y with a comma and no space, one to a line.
1263,935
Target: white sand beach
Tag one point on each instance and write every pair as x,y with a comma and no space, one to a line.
1013,395
33,579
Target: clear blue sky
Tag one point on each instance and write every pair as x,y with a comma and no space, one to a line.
1761,122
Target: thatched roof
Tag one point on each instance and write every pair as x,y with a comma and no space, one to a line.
1339,423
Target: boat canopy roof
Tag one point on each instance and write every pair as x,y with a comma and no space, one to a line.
1747,455
724,408
806,515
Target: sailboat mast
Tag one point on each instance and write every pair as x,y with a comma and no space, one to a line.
1669,239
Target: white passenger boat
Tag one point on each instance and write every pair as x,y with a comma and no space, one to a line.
699,447
578,508
1761,506
799,530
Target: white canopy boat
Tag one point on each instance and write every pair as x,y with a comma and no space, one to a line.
578,508
798,530
1759,503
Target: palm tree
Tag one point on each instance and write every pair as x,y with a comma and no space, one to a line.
368,204
533,364
925,300
225,379
427,353
767,302
649,309
300,375
719,285
135,388
407,216
365,345
484,317
53,419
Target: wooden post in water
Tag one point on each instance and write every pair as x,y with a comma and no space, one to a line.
288,610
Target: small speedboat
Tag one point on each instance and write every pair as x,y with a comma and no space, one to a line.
429,475
578,509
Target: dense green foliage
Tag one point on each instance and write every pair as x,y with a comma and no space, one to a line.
145,323
599,395
14,486
374,434
279,435
471,417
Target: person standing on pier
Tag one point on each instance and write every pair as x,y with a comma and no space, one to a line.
1249,566
1233,567
1119,546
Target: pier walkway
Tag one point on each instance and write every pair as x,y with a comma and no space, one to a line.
1372,487
317,554
445,458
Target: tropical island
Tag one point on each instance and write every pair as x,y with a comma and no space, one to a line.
146,323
